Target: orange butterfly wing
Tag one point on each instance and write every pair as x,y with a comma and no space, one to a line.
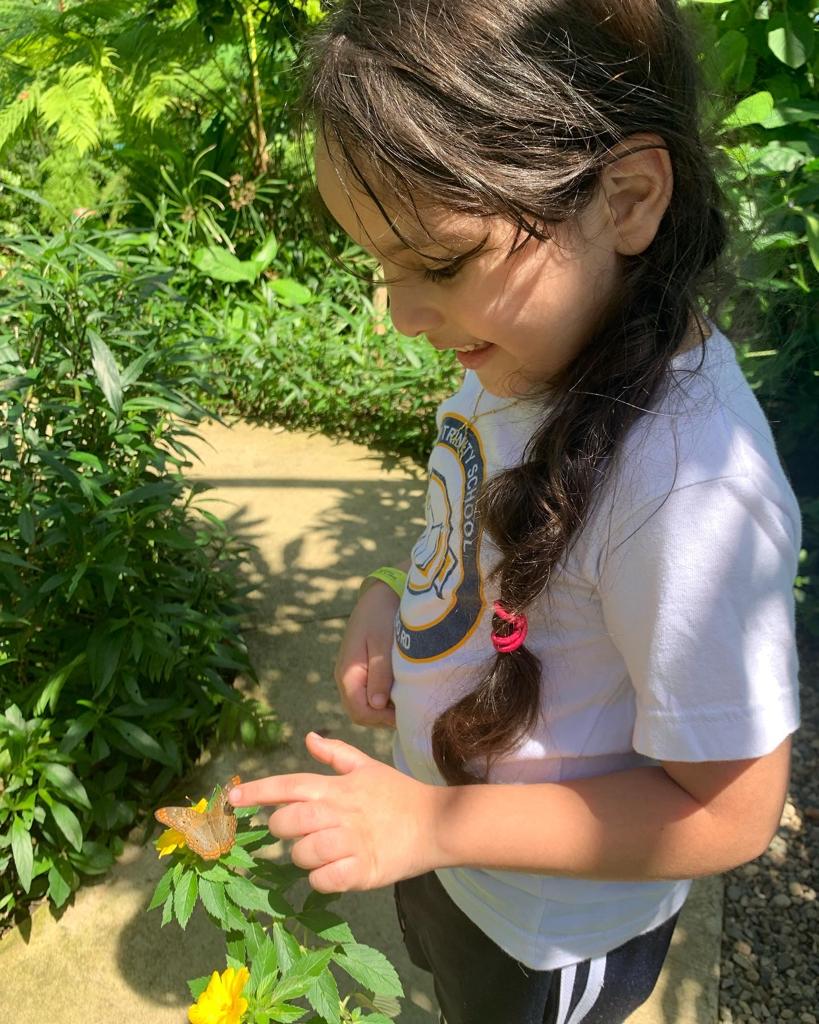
209,833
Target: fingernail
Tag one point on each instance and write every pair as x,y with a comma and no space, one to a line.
378,700
235,795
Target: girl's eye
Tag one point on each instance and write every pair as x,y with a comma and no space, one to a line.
442,274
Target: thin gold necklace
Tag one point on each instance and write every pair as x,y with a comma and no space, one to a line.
474,418
489,412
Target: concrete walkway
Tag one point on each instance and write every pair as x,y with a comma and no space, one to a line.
320,513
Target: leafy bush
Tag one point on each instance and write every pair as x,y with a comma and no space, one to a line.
311,363
120,596
764,58
128,103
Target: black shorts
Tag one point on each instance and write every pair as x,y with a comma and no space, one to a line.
476,982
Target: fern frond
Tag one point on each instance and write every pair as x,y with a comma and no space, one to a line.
13,118
76,105
24,28
155,97
87,14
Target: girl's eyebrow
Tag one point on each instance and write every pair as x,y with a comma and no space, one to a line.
451,243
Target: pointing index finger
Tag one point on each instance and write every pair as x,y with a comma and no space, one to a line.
275,789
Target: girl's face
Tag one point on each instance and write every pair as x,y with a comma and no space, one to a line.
534,311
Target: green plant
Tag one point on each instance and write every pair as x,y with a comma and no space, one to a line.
120,593
141,100
764,59
267,965
311,363
41,837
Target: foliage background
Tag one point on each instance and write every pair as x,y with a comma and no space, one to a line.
151,194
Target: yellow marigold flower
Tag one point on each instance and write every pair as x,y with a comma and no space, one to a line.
171,838
221,1002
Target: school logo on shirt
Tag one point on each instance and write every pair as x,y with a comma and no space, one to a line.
443,597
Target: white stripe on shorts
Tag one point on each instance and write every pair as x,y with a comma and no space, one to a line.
594,986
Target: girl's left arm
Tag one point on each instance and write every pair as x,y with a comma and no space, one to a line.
369,825
680,820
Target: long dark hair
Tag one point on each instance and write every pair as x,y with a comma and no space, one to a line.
511,109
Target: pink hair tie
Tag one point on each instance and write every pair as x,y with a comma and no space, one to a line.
520,626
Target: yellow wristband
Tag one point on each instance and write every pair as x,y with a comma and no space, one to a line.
394,578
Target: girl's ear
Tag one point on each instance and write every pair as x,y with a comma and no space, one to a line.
637,187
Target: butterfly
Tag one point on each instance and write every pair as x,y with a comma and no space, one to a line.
208,833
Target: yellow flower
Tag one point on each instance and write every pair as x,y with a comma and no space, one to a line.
221,1002
171,838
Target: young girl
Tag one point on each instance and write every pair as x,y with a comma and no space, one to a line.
591,670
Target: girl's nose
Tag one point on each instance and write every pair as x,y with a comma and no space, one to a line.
410,313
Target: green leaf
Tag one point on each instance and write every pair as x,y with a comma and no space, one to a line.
370,968
239,858
104,651
7,558
88,458
752,110
140,740
107,372
25,523
255,938
287,1013
246,895
62,880
812,227
222,265
730,52
78,104
68,823
790,39
264,969
301,976
326,925
22,851
167,911
792,112
198,985
266,253
67,783
51,691
77,731
163,888
213,898
184,897
236,948
291,291
778,157
323,996
287,949
14,116
94,858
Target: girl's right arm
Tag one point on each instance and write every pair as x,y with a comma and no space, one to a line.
363,669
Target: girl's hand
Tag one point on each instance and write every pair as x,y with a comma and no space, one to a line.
365,828
363,669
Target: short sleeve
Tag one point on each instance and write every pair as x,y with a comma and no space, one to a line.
697,595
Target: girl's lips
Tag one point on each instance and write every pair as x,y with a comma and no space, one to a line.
472,360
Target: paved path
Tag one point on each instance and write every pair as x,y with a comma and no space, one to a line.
319,514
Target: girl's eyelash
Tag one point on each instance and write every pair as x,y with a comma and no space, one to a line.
442,273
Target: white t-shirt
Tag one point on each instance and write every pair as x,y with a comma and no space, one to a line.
669,634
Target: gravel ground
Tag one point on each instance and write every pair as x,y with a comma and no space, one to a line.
770,936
